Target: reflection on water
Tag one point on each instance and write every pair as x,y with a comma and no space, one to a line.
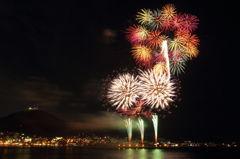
144,153
17,153
157,154
154,154
85,153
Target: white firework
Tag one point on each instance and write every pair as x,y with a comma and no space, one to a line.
156,89
123,91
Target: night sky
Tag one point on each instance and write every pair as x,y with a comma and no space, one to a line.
55,54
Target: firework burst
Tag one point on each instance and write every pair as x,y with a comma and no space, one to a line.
192,40
157,19
177,62
187,37
177,22
190,22
123,91
160,67
177,44
183,34
145,16
142,54
166,24
137,34
154,39
156,89
168,11
191,51
156,26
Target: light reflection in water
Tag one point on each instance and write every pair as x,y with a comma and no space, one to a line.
144,154
154,154
23,153
56,153
157,154
130,154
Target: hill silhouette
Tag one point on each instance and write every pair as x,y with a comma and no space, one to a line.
34,122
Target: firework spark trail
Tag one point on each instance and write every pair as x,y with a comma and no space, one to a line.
123,91
165,54
140,125
128,125
155,126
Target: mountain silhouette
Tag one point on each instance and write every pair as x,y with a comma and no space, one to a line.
34,122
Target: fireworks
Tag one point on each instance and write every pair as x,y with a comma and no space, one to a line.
140,125
177,44
154,39
145,16
178,62
168,11
190,22
192,51
160,67
156,89
155,126
123,91
128,124
157,20
142,54
177,22
155,26
136,34
166,57
162,42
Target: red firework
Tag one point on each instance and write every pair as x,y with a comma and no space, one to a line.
166,24
187,37
189,22
181,33
154,39
136,34
177,22
193,40
136,111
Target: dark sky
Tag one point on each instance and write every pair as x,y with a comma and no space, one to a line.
54,54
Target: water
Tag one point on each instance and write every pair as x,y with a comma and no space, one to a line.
85,153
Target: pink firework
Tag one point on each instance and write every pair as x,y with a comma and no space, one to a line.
190,22
136,34
177,22
176,55
166,24
159,58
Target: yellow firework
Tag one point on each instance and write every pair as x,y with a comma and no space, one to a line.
160,67
145,16
191,51
168,11
142,33
142,54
